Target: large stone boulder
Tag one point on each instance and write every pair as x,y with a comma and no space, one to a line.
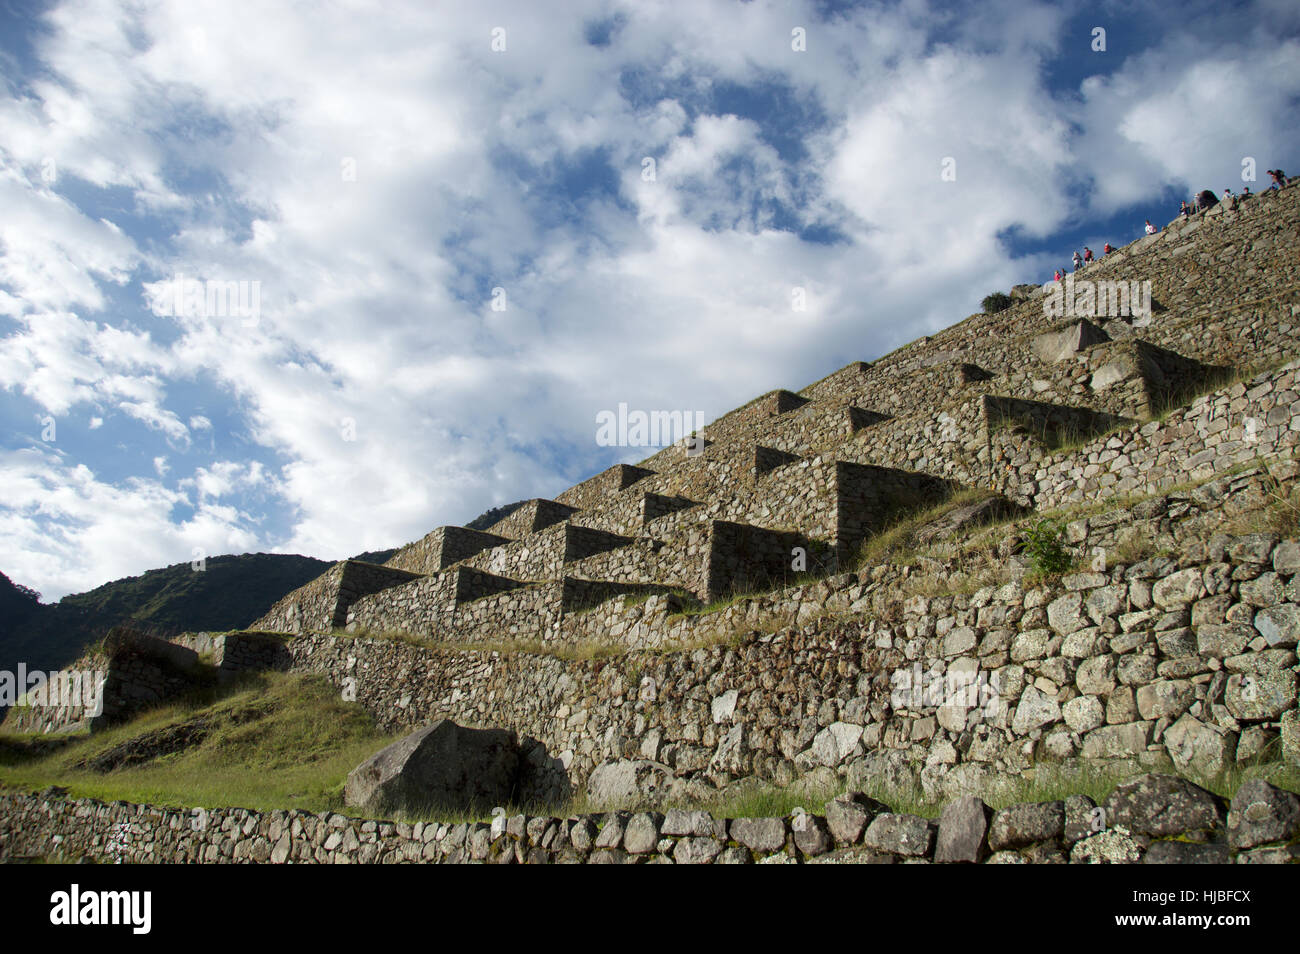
441,767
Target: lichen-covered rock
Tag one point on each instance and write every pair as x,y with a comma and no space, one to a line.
1114,846
908,835
1026,823
760,835
1202,747
629,782
962,827
1163,805
1261,813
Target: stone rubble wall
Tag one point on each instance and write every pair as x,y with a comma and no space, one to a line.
1209,436
322,604
1227,285
544,555
1146,662
1155,819
1193,443
139,672
593,491
234,653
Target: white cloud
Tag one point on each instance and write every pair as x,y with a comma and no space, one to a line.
227,130
74,531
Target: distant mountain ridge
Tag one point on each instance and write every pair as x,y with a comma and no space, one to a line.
229,593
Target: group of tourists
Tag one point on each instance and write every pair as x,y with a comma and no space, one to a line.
1200,202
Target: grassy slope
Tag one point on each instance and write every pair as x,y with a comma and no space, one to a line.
280,741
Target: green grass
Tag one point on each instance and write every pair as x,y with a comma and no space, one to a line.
1049,782
767,800
721,603
279,741
895,543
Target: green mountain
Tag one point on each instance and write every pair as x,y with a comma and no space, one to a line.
229,593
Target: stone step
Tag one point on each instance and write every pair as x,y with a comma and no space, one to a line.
532,516
442,547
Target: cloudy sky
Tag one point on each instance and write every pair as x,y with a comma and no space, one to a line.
471,227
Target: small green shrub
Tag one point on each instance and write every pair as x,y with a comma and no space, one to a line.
998,301
1045,547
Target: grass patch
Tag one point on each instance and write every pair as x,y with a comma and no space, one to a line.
1280,513
278,741
767,800
896,542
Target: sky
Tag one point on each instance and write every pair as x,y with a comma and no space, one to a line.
432,244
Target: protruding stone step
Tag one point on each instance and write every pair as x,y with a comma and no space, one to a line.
470,583
847,380
654,506
741,557
782,402
441,548
532,516
428,604
582,542
971,374
322,605
1067,341
609,481
541,556
769,458
860,418
868,498
1156,378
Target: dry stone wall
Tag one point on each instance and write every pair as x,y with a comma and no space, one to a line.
1186,661
441,548
533,516
322,605
235,653
130,672
1155,819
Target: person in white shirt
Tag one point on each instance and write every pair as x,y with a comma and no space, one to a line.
1151,229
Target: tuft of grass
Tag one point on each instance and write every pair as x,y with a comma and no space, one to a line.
896,542
768,800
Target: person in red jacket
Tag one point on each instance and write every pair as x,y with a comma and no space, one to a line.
1107,249
1087,255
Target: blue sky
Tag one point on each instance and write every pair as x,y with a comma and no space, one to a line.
380,171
